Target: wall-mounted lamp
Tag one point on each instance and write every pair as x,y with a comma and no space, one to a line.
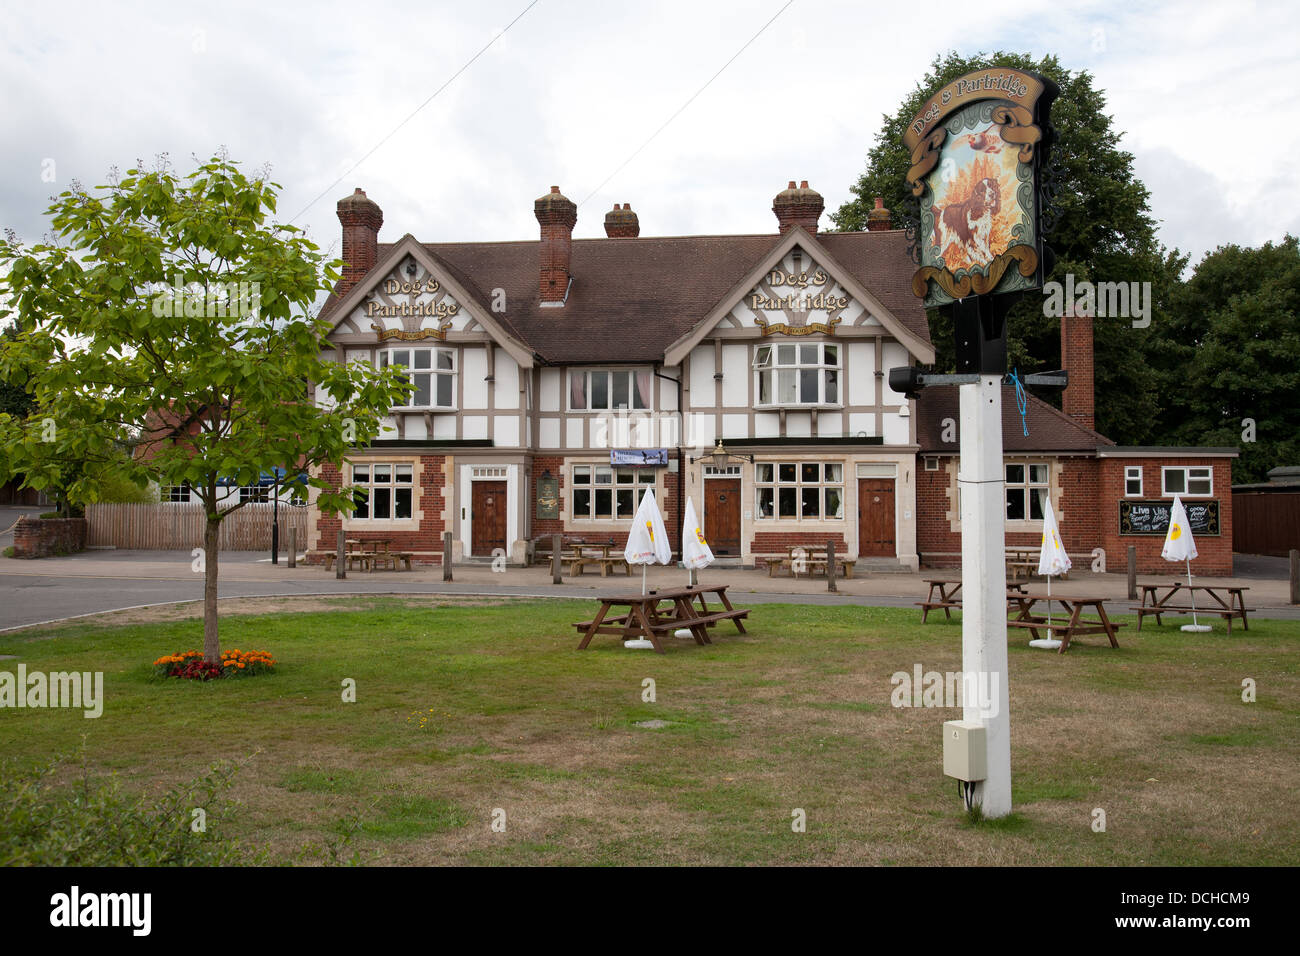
720,457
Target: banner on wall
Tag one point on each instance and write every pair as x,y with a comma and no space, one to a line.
639,457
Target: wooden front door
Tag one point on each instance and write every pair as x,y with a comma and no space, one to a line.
876,518
488,517
722,514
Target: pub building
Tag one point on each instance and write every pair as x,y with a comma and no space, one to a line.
556,379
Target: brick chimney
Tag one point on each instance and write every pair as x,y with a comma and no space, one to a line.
799,206
622,223
1076,358
878,218
361,218
557,215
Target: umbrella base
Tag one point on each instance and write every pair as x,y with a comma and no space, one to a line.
1050,644
639,643
685,632
1197,628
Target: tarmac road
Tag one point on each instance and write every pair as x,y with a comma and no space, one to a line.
36,592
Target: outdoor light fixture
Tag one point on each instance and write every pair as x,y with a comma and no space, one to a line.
720,456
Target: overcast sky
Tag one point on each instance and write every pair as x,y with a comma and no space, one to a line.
1204,93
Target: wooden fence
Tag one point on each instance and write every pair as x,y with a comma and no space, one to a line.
163,527
1266,522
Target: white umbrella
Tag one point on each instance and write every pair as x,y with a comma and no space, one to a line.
1181,546
647,543
696,552
1052,559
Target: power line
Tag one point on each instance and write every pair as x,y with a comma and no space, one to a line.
408,119
694,95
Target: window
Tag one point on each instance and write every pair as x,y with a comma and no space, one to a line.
600,390
806,373
1026,491
431,371
390,491
932,464
1193,482
176,493
1133,481
256,493
800,490
602,492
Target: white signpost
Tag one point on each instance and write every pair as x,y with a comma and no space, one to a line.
984,584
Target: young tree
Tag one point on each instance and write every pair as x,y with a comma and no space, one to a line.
165,301
1104,231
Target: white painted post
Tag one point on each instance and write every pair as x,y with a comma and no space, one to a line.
984,583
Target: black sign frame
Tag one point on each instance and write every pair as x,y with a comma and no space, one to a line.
1203,515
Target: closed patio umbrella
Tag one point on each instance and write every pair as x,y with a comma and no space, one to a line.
1181,546
1052,559
647,543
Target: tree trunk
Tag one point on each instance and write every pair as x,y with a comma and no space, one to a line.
211,639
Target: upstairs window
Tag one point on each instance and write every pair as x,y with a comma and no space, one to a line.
804,373
1192,482
431,371
603,390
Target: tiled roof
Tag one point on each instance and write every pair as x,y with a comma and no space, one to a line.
631,298
1049,429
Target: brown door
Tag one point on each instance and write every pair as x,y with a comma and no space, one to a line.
876,518
722,514
488,517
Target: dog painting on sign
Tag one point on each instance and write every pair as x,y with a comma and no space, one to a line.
974,206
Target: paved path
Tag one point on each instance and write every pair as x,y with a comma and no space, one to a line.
35,592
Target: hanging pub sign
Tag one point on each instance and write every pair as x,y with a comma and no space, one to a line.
977,149
639,457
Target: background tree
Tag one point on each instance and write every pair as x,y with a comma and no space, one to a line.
1229,350
163,300
1104,232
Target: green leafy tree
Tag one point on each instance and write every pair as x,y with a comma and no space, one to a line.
1104,232
14,398
1230,352
171,315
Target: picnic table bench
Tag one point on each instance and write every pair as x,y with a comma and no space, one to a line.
645,618
370,559
581,556
810,562
1074,625
947,589
1154,603
1023,563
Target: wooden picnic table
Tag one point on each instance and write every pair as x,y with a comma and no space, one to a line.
646,619
947,589
813,561
580,555
1074,623
1153,602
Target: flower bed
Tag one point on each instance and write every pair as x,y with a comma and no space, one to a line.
190,665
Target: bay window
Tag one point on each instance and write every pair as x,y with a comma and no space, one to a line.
803,373
431,371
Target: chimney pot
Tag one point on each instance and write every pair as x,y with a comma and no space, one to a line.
798,207
878,218
622,223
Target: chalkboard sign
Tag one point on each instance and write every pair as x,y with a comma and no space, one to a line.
1152,517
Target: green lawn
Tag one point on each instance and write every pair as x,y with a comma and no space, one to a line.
462,710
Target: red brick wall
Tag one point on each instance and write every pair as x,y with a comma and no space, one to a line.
43,537
425,543
1214,552
542,464
1076,358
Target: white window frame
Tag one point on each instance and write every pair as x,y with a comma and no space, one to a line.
1186,471
1132,473
800,482
1028,486
641,480
774,359
364,475
610,373
171,494
435,373
257,494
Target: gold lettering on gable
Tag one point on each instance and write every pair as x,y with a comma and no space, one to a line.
810,295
